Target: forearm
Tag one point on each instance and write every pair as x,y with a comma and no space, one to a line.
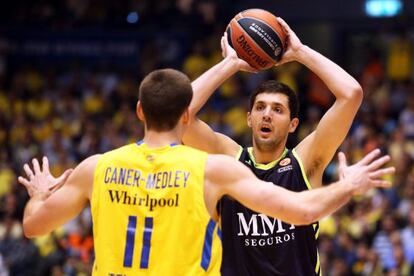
337,79
44,214
33,205
326,200
205,85
298,208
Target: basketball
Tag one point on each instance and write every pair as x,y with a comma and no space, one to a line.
257,37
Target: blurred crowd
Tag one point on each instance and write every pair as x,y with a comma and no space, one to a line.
70,112
166,15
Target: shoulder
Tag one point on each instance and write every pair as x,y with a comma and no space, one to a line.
123,149
217,161
190,155
114,155
87,166
192,150
214,166
81,179
220,166
91,160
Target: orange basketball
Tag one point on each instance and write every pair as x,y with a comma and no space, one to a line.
257,38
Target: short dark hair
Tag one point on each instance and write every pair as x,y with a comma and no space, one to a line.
164,95
272,86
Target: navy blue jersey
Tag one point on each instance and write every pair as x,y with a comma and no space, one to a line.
255,244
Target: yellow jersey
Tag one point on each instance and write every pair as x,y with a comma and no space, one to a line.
149,215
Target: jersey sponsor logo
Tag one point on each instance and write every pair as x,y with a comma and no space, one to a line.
261,230
284,169
249,162
123,197
285,161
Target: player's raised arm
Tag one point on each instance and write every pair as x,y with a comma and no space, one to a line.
199,134
321,145
297,208
46,209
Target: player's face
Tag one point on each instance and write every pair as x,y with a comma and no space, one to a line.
270,120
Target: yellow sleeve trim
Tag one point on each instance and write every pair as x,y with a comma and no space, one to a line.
237,156
318,264
302,168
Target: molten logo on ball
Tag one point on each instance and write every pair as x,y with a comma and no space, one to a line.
277,51
248,50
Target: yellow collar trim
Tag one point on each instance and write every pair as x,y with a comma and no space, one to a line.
265,166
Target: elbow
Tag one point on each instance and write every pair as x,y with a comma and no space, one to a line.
31,231
356,94
308,217
29,235
28,231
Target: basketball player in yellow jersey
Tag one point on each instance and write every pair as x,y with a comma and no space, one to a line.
154,202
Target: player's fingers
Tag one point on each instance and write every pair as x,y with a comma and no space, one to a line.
226,42
382,172
224,45
60,180
284,24
342,164
342,159
45,164
252,70
56,186
370,157
281,62
66,174
36,166
23,181
382,183
28,171
379,162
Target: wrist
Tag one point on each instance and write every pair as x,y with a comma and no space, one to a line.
303,53
231,64
350,188
40,195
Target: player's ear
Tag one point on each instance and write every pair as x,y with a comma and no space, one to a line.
293,125
249,119
186,117
140,112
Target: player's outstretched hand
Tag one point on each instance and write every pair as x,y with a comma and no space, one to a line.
228,52
39,181
367,173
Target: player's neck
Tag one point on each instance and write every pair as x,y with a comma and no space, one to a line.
267,156
155,139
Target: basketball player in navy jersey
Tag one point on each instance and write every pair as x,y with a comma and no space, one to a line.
254,244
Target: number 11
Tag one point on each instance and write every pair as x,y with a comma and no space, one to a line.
130,242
